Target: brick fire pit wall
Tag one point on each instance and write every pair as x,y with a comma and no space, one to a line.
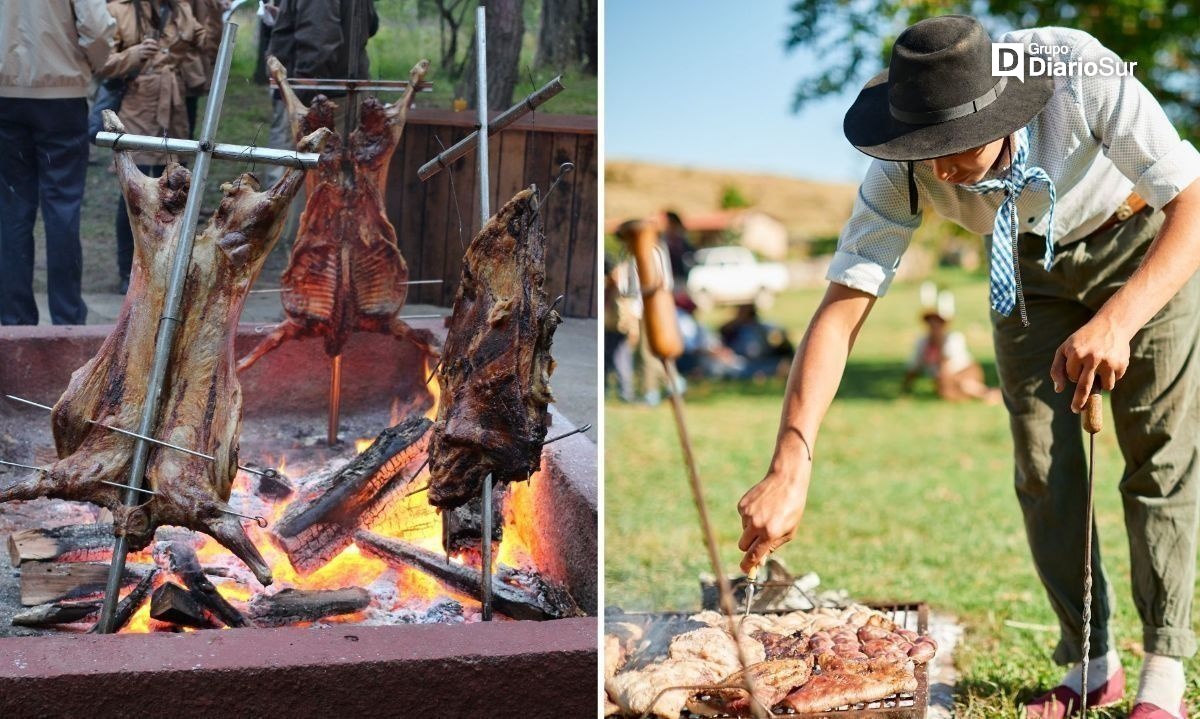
503,669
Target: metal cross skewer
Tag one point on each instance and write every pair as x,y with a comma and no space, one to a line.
271,473
170,320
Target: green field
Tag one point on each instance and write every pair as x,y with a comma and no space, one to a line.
911,499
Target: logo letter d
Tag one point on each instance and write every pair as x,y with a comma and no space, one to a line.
1008,59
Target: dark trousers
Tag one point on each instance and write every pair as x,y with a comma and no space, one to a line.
43,163
125,231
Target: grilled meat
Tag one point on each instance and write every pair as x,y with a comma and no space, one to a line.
844,682
773,680
495,371
346,273
201,403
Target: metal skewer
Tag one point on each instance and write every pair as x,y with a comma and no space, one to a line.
564,435
485,212
409,282
271,473
260,521
335,400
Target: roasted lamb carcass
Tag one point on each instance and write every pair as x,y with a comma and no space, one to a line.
346,273
201,406
496,366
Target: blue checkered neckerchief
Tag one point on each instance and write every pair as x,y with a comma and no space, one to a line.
1005,277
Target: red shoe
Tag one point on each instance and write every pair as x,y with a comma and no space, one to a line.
1062,702
1146,710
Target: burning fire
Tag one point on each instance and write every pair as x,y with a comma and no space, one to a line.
407,515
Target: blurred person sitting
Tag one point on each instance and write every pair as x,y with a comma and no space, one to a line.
704,354
943,356
48,51
154,40
765,346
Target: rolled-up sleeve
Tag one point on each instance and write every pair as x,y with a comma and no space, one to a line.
877,233
1136,134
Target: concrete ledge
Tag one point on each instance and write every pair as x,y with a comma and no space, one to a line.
509,669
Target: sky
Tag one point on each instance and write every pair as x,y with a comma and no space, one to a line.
708,84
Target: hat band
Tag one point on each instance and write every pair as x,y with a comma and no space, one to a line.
951,113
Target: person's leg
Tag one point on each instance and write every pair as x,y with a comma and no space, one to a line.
18,213
1048,449
623,364
190,103
61,138
1156,410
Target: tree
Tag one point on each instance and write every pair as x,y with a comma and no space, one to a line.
451,15
561,38
1163,36
505,29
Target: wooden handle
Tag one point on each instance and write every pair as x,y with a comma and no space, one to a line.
658,304
1093,412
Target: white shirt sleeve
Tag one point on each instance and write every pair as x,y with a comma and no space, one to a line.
1135,132
96,28
878,231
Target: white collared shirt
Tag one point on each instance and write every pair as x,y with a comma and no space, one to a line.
1099,138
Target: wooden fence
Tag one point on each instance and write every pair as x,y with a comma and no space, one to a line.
436,220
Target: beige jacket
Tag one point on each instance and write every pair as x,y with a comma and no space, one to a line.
49,48
153,102
198,70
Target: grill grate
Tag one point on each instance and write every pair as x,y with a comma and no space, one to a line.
907,615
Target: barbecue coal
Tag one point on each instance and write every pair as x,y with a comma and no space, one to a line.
201,403
346,273
495,371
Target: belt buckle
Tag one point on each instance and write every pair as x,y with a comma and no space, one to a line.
1124,212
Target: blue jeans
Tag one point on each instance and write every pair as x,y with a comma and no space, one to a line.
43,163
108,97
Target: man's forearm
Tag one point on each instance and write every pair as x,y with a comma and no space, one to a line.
1171,260
816,373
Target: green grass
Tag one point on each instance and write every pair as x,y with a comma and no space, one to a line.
911,498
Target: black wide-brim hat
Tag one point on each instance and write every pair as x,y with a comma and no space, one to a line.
938,96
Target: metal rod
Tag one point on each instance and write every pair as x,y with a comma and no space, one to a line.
22,466
410,282
260,521
220,151
564,435
323,83
481,156
147,438
169,321
485,589
498,123
335,399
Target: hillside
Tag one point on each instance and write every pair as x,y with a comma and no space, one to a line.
808,209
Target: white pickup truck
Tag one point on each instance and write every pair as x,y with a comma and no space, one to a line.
732,276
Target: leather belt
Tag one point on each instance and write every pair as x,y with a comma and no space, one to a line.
1130,207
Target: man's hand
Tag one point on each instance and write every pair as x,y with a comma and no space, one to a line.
770,511
1097,350
146,49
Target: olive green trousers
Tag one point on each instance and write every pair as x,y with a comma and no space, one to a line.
1156,411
